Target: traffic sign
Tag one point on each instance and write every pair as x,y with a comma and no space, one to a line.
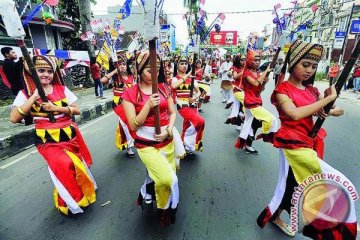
338,43
355,27
340,34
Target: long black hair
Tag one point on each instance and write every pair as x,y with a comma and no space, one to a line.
236,61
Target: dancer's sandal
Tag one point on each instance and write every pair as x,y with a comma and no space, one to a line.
287,229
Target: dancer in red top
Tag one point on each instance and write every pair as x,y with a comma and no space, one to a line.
168,70
156,151
194,124
255,115
302,173
214,68
237,114
123,137
60,143
204,86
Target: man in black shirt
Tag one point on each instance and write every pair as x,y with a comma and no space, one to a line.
12,69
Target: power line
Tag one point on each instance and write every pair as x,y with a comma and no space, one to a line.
216,13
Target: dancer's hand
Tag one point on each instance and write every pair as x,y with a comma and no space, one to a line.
193,99
35,95
331,92
49,107
162,136
268,69
154,100
321,114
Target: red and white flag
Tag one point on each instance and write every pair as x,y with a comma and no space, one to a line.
52,3
89,34
201,13
83,37
220,19
277,6
121,29
314,8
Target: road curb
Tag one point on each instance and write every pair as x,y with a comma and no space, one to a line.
13,144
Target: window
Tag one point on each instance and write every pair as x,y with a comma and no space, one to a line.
325,4
342,24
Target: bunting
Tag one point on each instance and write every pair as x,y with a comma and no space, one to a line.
125,10
103,56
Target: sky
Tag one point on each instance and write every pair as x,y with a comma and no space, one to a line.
244,23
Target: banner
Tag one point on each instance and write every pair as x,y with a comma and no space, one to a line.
165,33
103,57
223,38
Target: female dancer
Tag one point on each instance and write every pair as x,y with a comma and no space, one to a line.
194,124
204,86
168,70
156,151
255,115
326,216
237,114
60,143
123,137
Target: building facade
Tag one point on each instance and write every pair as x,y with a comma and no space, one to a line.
38,33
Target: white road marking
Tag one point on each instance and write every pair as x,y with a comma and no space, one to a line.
17,160
34,151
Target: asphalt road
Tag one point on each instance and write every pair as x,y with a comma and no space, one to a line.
221,192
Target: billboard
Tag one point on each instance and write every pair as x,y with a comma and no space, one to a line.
167,39
223,38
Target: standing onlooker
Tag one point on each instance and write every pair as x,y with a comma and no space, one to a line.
214,68
226,78
333,73
356,77
277,70
96,75
12,69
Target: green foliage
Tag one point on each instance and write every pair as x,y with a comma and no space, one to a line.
320,76
68,10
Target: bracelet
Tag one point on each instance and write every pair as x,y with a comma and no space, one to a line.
107,77
136,122
170,134
70,111
21,111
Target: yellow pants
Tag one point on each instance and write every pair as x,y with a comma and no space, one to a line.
160,164
267,119
240,96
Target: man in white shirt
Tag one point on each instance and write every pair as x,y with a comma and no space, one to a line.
226,78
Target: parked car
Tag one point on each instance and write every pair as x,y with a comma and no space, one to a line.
263,65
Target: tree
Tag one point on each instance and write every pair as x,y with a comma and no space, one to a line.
85,18
69,11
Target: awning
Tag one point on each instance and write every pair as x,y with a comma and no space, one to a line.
63,26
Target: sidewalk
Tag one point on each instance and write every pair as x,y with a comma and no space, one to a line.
15,138
347,95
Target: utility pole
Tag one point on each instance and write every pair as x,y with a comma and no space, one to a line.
85,18
341,58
